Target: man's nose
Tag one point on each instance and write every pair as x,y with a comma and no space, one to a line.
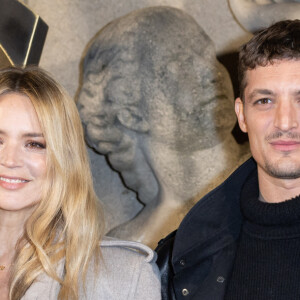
286,116
10,156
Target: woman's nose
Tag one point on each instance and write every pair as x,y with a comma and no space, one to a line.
10,156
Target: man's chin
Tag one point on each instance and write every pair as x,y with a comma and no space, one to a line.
283,170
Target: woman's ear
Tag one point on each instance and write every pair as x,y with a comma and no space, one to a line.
133,119
239,110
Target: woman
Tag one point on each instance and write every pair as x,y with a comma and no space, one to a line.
50,225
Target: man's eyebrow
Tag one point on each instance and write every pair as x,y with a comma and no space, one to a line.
264,92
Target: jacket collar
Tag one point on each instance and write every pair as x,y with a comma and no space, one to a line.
214,222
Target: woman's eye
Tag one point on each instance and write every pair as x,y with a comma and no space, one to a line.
36,145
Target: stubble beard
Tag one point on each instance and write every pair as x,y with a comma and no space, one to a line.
282,169
285,171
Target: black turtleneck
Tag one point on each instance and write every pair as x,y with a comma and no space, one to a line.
267,263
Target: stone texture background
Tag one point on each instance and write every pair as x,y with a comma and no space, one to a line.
72,24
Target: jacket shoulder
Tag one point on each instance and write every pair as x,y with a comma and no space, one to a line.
128,270
128,248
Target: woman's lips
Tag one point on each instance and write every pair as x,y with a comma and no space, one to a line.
12,183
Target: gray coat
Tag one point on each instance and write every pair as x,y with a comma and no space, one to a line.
127,271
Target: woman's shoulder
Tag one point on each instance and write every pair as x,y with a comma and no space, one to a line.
127,271
127,250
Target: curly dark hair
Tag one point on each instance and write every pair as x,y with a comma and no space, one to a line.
279,41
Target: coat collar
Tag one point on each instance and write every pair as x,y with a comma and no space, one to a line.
214,222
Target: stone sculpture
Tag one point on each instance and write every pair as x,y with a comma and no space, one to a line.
257,14
155,100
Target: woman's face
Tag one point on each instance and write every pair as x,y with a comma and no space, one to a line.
22,154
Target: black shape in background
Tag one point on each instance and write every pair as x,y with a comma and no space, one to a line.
22,33
230,61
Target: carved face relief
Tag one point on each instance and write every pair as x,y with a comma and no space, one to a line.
192,105
165,87
104,103
98,106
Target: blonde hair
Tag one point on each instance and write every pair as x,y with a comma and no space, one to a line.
67,222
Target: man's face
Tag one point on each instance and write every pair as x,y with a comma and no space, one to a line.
271,116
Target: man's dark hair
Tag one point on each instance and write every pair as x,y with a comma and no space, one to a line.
279,41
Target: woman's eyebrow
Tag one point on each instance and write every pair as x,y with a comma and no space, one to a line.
33,134
26,134
297,93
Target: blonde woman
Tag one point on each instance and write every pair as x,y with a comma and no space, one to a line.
50,224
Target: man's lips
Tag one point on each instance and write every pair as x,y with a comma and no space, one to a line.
12,183
287,145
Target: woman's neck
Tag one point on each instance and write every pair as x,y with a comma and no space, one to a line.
12,226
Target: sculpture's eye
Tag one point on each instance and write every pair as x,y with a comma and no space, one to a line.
94,77
108,100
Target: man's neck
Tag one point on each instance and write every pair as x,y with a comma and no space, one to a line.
275,190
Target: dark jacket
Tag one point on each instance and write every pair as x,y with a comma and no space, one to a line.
196,261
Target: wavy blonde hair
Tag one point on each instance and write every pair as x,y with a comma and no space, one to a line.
67,223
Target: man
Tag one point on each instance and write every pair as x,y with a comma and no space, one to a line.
242,240
157,103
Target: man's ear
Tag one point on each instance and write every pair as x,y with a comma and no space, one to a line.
133,119
239,110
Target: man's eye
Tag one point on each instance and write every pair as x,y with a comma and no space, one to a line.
264,101
35,145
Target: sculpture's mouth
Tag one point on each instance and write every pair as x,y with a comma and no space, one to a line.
121,161
103,139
